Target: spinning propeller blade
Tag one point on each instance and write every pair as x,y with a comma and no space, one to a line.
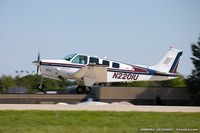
37,62
38,59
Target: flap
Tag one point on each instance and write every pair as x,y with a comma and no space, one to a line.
92,74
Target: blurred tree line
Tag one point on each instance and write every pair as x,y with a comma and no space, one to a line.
31,82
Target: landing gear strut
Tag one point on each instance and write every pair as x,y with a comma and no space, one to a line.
83,89
40,86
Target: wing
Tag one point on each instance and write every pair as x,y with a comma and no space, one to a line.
91,74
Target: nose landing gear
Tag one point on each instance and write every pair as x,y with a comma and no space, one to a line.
40,86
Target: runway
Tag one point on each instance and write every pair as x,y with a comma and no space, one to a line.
41,98
104,107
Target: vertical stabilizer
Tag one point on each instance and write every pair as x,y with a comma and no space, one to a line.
169,63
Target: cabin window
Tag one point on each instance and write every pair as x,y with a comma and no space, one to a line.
94,60
115,65
80,59
69,57
105,62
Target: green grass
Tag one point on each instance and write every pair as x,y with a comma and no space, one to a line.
92,122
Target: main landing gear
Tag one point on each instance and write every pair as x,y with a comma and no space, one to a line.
83,89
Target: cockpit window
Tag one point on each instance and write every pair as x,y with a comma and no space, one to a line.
80,59
69,57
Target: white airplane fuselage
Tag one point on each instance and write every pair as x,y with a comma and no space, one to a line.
126,73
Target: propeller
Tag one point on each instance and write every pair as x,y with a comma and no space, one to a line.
37,62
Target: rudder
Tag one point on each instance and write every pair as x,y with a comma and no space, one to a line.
169,63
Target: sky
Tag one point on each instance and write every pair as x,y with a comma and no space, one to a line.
130,31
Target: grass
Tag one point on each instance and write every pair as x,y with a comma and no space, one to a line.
92,122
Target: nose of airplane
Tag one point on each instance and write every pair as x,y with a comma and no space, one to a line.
37,62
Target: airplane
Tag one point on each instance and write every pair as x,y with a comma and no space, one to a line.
89,70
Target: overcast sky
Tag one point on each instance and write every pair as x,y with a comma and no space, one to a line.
138,32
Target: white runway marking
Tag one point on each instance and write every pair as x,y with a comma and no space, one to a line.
109,107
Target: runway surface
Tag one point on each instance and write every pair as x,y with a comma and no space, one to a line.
104,107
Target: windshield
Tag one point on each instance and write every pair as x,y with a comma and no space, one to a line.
80,59
69,57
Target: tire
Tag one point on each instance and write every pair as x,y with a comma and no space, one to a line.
40,87
87,90
79,89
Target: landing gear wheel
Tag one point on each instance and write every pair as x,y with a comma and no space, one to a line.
80,89
87,90
40,87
